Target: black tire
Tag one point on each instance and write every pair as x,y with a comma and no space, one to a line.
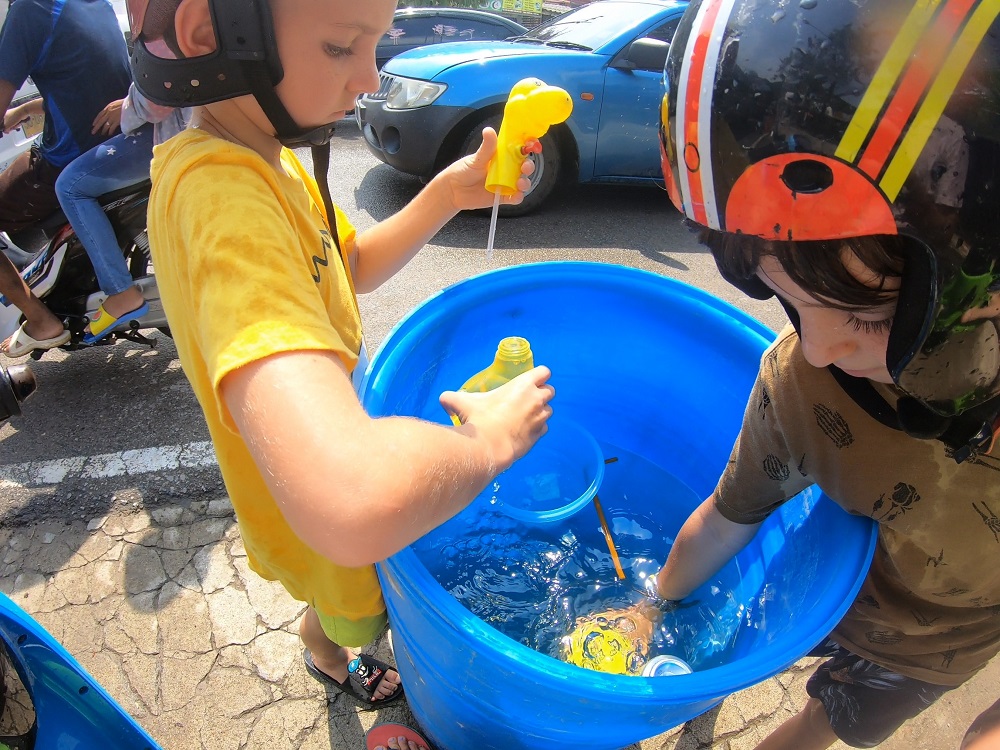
548,168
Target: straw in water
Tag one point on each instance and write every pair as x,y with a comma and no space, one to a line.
609,540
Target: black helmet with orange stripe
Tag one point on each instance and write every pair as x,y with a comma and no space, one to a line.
830,119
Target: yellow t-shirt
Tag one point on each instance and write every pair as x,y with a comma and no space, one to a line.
246,268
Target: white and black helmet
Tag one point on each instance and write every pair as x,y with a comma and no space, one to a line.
829,119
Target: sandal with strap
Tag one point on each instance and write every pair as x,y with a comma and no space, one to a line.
104,322
364,675
22,342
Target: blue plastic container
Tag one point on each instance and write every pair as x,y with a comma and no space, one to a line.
654,367
72,710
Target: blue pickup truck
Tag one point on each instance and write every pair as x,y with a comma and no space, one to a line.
434,101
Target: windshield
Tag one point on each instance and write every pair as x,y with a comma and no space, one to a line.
589,26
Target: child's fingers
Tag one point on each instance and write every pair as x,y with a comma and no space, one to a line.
452,402
538,375
486,149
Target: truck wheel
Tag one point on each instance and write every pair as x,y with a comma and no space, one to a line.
545,178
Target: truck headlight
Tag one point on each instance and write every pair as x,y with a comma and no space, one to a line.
409,93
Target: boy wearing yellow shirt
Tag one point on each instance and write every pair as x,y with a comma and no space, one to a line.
259,282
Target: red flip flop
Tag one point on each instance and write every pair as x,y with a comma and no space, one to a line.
378,736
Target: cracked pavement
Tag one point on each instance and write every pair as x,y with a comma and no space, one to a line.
162,609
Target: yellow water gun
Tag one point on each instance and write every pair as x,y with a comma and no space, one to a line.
532,107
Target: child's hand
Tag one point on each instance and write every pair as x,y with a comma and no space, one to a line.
511,418
643,616
465,180
16,116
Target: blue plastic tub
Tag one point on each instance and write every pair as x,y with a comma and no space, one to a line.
659,369
72,710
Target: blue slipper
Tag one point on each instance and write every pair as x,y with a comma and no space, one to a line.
104,322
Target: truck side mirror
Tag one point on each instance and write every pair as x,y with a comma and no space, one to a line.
644,54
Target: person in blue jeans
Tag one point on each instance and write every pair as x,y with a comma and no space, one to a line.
75,53
117,163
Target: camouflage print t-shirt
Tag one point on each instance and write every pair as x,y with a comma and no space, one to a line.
930,606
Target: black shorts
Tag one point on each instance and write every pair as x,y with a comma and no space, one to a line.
864,702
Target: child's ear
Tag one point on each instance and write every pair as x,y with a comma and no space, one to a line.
194,29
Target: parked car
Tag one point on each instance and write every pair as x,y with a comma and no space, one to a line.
433,102
416,27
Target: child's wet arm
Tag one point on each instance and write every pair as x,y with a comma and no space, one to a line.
389,245
705,543
353,488
403,478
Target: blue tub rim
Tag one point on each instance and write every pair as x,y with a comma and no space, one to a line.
700,686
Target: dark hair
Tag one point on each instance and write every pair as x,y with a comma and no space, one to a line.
816,266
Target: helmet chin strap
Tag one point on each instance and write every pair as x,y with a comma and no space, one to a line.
966,435
291,135
288,131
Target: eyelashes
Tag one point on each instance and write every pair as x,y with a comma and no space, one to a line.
335,51
871,327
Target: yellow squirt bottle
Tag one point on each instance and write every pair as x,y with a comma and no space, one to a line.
512,358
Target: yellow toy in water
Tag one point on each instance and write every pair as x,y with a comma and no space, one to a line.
613,642
532,107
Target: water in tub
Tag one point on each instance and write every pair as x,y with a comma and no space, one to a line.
532,581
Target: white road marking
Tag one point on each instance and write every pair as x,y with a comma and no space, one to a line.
107,465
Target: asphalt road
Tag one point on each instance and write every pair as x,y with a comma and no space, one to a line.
119,425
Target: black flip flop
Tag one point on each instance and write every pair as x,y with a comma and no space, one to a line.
361,683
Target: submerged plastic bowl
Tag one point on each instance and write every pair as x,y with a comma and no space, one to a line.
658,369
554,480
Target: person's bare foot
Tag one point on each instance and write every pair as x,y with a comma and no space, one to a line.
48,329
386,688
392,736
401,743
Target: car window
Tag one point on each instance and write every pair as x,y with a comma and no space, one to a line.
480,30
665,32
410,32
590,25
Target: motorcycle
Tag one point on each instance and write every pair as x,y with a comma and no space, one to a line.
16,384
56,267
